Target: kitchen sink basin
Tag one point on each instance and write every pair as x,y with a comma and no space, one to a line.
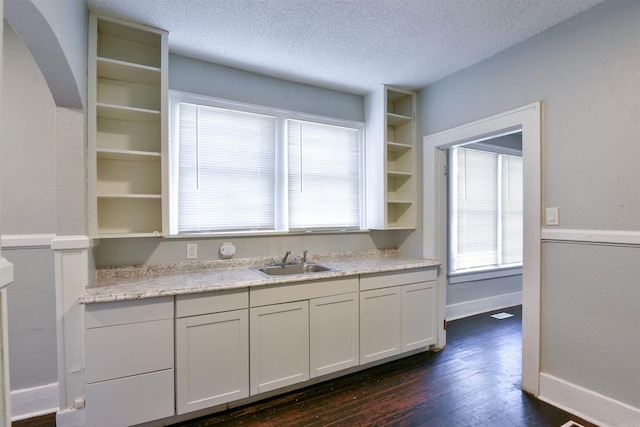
291,269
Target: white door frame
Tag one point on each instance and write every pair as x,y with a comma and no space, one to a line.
528,120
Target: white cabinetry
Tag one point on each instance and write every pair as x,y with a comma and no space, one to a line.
302,330
390,159
279,345
127,128
397,313
333,333
129,362
380,324
212,349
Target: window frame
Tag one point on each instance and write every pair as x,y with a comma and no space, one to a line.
281,191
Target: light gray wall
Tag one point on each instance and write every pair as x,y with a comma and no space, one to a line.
195,76
204,78
479,289
27,160
32,319
587,73
27,199
69,20
591,318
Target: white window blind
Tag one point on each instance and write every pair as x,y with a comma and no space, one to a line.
486,220
323,175
226,178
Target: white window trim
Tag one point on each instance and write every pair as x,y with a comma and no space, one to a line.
282,115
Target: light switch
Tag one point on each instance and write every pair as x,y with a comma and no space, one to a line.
552,216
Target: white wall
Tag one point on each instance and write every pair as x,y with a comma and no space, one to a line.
587,73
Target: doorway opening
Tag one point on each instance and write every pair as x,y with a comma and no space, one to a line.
526,120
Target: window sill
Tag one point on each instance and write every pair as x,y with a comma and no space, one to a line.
473,276
268,233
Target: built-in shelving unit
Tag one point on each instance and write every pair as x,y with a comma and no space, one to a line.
391,187
127,104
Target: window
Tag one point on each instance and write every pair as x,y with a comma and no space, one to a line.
485,230
324,184
243,168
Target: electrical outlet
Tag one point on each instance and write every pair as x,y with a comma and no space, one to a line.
192,250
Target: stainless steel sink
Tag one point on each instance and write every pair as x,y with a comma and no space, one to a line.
291,269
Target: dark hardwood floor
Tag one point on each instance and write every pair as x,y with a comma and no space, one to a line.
475,382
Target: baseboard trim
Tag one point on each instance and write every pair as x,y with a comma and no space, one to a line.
587,404
33,402
483,305
71,418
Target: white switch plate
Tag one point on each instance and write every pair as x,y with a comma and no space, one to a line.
192,250
552,216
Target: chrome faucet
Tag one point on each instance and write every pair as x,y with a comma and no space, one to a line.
286,255
304,256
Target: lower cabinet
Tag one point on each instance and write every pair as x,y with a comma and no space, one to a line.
302,331
397,313
223,346
212,350
333,333
380,324
279,345
129,362
418,315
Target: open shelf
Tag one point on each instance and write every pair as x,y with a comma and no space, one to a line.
397,119
128,43
401,215
133,114
126,135
126,216
114,154
127,71
127,128
391,195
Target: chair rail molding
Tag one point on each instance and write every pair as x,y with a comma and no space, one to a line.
613,237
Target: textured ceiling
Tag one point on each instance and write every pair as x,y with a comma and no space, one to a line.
349,45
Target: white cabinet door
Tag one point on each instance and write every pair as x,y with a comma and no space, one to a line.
212,360
334,332
380,324
418,315
279,337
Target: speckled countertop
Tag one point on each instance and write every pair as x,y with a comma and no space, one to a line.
137,282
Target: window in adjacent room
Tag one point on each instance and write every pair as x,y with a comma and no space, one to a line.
246,168
485,221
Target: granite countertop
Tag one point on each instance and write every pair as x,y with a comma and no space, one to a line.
131,283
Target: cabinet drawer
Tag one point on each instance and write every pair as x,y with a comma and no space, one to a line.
278,294
123,350
131,400
396,278
211,302
122,312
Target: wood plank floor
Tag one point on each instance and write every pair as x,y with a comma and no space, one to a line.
475,382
